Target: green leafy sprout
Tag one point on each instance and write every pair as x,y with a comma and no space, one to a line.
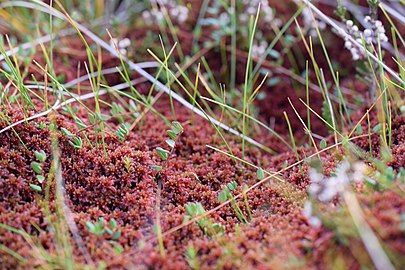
207,225
98,228
37,168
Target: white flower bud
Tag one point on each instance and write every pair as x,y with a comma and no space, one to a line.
383,38
124,43
349,23
367,33
380,29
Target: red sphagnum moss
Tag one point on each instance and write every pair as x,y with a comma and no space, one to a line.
117,182
105,186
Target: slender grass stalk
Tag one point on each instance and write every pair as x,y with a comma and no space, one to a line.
11,252
307,98
195,90
370,143
272,131
254,94
209,73
293,140
247,86
312,141
329,104
158,221
247,203
198,27
168,78
172,30
233,45
343,110
51,35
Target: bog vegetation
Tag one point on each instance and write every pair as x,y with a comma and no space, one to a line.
202,134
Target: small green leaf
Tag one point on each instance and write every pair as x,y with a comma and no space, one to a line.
322,144
176,127
77,142
90,226
79,123
117,247
41,156
42,125
66,109
171,134
113,223
66,132
156,168
186,218
122,131
116,235
260,174
36,188
61,78
199,209
163,154
40,178
223,195
274,54
273,81
100,222
218,229
92,118
377,128
37,167
117,111
103,117
189,209
108,231
12,99
232,185
52,127
170,143
359,130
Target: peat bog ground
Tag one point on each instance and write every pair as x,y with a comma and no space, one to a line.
255,136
